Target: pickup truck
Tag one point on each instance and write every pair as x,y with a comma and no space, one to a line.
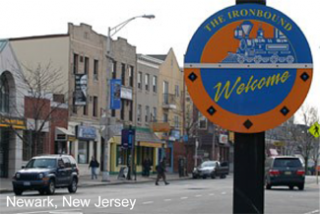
211,169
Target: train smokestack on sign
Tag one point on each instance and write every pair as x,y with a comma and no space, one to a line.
248,68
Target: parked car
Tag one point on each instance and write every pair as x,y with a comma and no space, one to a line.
284,171
211,169
46,173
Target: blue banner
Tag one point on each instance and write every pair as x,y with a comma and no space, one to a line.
115,94
127,138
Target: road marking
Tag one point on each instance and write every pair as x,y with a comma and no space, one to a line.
182,198
49,211
211,194
168,199
223,193
147,202
198,195
313,212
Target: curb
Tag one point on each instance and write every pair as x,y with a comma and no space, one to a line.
110,183
128,182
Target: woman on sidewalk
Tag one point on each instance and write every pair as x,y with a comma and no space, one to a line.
94,164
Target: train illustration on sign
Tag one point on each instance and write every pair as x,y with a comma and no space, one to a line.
260,49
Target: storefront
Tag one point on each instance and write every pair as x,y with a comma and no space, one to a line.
146,147
87,143
64,141
10,145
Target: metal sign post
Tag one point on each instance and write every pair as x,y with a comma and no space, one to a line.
248,183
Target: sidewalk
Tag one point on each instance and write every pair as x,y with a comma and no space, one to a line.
85,181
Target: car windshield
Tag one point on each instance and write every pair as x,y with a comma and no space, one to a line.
208,164
42,163
287,162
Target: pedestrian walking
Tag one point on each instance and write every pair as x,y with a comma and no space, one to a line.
161,172
94,164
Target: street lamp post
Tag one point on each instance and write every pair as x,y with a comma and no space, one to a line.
111,32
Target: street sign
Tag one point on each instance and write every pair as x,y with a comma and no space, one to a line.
315,130
248,68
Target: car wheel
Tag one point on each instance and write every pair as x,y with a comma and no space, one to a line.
51,187
17,191
73,186
301,187
204,177
291,187
268,186
222,176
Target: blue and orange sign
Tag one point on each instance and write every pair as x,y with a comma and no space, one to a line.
248,68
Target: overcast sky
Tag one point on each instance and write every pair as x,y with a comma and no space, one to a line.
175,22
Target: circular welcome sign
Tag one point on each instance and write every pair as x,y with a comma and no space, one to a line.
248,68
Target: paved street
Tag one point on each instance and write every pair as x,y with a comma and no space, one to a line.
189,196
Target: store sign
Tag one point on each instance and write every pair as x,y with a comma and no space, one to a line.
12,122
86,132
223,138
81,86
248,68
174,135
126,93
115,96
160,127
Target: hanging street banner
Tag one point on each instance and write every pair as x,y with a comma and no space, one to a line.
248,68
115,96
81,87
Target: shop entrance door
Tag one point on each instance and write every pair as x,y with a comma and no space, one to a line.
4,152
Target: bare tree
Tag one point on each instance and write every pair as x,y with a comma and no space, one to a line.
41,85
304,141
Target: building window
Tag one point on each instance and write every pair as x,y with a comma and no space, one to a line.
139,113
4,94
154,84
83,152
86,65
122,109
95,107
177,91
75,63
147,114
123,74
74,107
154,115
131,76
140,80
202,121
131,111
85,110
96,69
176,122
146,81
114,70
59,98
165,117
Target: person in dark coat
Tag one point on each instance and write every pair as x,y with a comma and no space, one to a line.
161,171
148,167
94,164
